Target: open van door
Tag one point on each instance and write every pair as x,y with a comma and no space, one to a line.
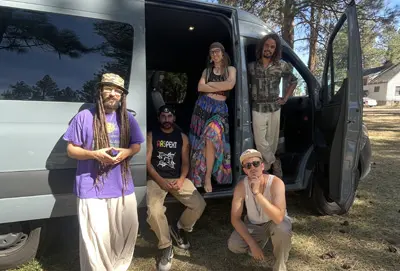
342,97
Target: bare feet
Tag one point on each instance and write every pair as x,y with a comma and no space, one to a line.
207,185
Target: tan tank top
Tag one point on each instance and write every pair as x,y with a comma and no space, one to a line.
255,213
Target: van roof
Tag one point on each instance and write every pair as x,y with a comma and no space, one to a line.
242,14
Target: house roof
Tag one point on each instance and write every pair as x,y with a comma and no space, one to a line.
382,76
373,70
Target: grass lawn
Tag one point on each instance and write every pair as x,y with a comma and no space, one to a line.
365,239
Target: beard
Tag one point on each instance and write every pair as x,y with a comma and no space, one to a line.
267,54
166,125
111,104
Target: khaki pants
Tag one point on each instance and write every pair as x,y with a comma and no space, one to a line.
281,236
188,196
108,232
266,134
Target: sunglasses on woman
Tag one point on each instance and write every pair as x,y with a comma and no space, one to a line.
255,164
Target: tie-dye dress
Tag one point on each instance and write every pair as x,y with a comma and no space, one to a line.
210,122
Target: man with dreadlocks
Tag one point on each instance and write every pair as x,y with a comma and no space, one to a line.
265,76
103,139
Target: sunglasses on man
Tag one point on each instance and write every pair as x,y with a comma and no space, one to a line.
255,164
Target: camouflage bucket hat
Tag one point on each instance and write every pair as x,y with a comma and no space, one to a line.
112,79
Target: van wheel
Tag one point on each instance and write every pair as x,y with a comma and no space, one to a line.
18,244
323,205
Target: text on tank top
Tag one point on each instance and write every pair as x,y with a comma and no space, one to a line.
167,153
255,213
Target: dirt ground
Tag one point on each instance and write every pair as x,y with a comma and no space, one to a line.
367,238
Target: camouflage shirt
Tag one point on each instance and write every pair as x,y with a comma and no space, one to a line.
264,84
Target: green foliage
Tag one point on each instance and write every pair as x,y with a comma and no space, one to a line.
391,38
380,40
174,87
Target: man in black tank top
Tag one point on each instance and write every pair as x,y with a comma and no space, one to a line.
167,167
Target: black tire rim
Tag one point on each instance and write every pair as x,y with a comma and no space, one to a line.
12,239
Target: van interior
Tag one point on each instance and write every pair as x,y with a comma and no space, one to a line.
178,49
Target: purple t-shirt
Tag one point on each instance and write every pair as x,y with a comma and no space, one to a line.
80,132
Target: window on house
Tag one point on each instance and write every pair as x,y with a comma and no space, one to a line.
397,91
54,57
376,89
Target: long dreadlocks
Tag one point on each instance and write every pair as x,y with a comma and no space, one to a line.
101,139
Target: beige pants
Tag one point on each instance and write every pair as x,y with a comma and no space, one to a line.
188,196
281,236
108,232
266,134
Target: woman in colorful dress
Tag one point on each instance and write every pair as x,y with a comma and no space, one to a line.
209,128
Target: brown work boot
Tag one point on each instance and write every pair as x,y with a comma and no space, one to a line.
277,168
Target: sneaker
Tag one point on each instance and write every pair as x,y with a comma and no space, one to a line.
180,236
166,259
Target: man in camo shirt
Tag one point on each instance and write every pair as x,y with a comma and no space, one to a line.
265,76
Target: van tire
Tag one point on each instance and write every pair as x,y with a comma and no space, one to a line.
323,206
25,253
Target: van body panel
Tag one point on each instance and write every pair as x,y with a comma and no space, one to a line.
45,166
47,206
34,163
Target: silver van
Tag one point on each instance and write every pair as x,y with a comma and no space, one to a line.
51,55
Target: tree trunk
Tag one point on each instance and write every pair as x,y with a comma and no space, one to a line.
288,22
315,19
313,40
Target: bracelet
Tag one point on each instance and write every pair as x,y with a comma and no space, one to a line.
256,193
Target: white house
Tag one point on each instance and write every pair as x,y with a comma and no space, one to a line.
383,83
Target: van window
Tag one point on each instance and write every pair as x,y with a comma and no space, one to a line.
173,86
301,87
340,48
54,57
